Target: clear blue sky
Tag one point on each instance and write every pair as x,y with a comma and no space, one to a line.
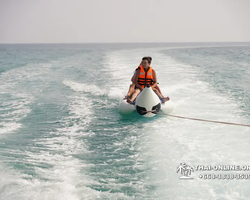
73,21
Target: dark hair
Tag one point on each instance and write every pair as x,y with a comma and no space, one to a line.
149,59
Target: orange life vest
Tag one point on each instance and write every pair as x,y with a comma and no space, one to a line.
145,78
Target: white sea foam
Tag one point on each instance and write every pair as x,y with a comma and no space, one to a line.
15,186
59,178
86,88
6,127
158,145
170,141
12,111
14,77
166,142
15,100
61,174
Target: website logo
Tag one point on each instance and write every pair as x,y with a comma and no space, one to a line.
185,171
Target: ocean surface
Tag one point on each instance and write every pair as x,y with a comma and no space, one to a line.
62,137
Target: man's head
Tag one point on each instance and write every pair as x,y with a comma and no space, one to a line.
146,61
150,58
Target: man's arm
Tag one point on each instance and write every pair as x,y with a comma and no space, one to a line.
155,79
133,79
136,80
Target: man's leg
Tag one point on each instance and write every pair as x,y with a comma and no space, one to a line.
158,88
130,91
134,95
158,93
163,99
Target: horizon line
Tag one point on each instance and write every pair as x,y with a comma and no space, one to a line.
127,42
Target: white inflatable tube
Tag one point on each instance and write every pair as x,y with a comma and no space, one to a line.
167,107
147,104
126,108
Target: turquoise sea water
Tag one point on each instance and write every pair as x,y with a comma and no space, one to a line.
62,137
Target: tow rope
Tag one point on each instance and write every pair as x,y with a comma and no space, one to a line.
205,120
